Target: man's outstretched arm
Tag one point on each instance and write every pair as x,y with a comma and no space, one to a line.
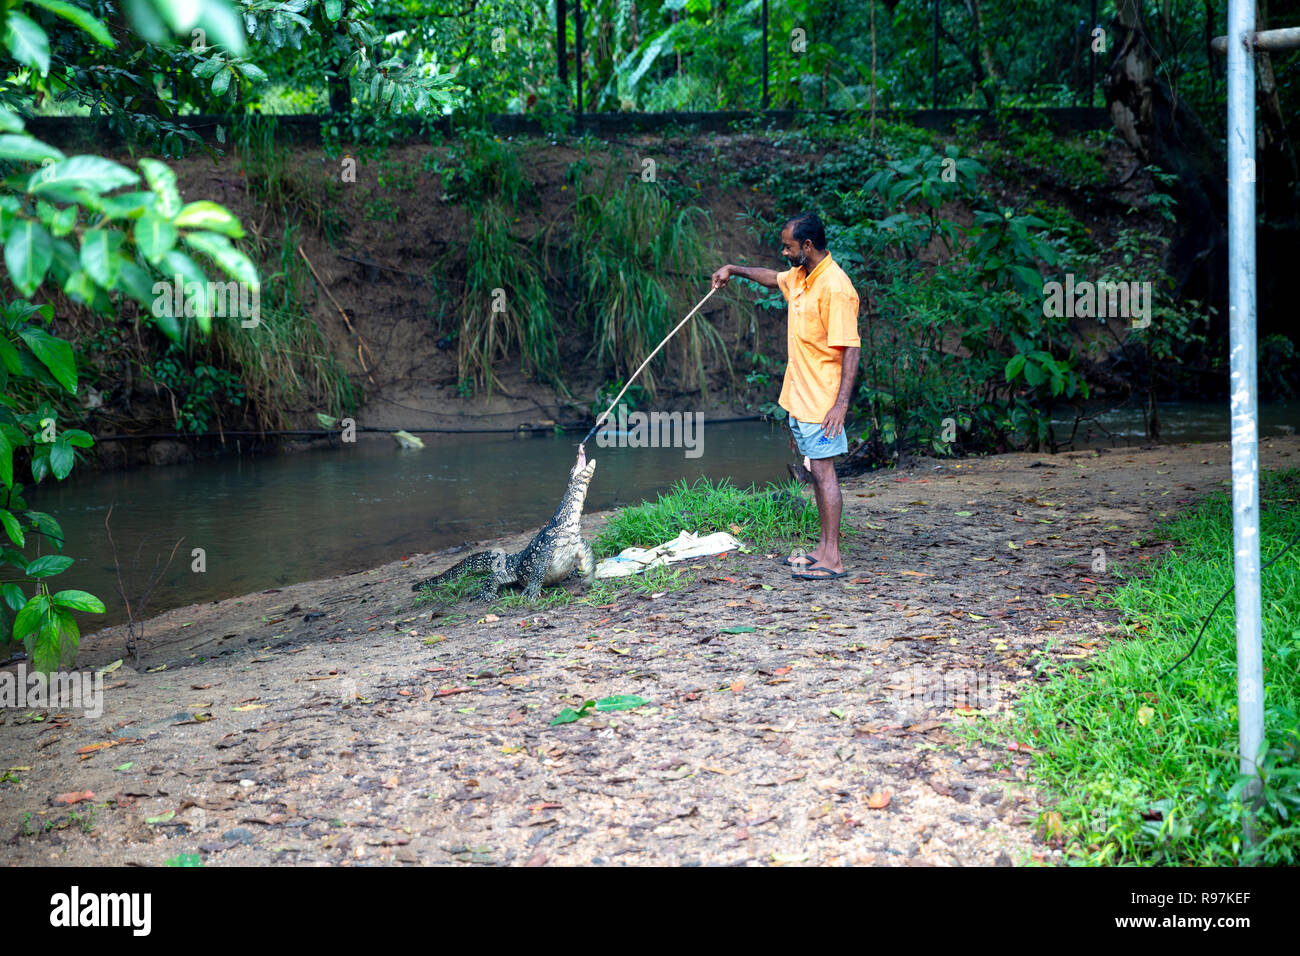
764,277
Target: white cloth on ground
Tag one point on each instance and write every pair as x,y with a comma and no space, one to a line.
685,546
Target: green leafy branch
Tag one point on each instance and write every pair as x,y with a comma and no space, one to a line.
66,222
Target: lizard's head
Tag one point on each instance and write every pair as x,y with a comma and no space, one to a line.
582,469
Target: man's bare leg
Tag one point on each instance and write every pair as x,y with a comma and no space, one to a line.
800,559
813,556
816,554
826,486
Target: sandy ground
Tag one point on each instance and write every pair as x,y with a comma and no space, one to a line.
786,722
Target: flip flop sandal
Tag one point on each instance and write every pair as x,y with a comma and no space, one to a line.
799,564
827,575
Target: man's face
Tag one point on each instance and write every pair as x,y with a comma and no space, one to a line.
796,255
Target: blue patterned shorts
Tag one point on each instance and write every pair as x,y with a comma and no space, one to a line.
812,441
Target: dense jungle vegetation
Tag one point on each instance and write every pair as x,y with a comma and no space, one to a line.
118,309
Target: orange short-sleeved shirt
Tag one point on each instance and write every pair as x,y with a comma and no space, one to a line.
822,319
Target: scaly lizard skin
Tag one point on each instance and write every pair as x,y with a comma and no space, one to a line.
549,558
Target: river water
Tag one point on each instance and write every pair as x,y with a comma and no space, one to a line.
276,520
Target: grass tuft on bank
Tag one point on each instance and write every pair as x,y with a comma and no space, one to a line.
778,513
1144,767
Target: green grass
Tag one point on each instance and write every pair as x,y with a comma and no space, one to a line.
486,167
1028,143
382,208
779,513
266,168
285,363
452,592
642,261
1144,767
504,303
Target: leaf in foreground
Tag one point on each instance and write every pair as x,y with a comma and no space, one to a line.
620,702
568,715
616,702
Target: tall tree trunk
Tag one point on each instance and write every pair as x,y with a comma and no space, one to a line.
1165,132
340,88
1214,62
975,53
989,77
1277,165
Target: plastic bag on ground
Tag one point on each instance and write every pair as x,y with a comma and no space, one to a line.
685,546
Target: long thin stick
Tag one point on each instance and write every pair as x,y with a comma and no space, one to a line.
614,404
346,321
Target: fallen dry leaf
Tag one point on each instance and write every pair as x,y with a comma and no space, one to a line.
1052,826
67,799
924,726
102,745
878,800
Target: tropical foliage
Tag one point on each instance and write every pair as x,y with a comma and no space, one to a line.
102,234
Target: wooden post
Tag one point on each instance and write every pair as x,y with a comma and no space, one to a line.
1267,40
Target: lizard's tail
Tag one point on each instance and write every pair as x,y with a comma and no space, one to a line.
475,563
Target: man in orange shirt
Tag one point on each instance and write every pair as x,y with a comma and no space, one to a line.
822,335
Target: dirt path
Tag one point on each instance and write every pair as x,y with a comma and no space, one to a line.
820,736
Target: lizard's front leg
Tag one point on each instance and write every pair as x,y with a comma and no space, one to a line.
587,564
533,577
501,574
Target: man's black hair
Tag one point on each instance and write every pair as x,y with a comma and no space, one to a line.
807,225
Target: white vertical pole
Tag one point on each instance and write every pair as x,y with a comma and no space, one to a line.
1241,343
